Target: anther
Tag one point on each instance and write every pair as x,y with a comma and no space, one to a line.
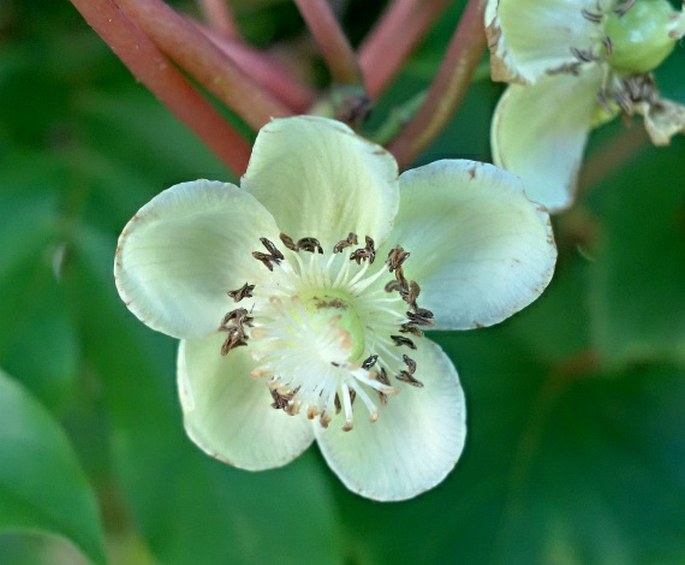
623,6
236,338
410,328
583,55
350,240
421,317
239,316
410,292
369,362
267,260
367,253
272,249
244,291
401,340
608,45
310,244
405,377
411,364
396,257
594,17
288,241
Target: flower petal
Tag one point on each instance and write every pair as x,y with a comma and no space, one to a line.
228,413
480,250
184,249
663,119
539,133
319,179
529,38
416,441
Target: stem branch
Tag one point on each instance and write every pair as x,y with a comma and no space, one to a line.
448,88
197,55
335,49
393,38
157,73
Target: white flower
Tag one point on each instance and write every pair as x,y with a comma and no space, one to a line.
578,63
317,334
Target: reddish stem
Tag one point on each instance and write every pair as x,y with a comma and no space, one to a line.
394,38
264,70
197,55
218,15
335,49
448,88
160,76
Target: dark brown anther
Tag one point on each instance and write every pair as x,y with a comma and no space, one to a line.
288,241
382,377
272,249
353,396
367,253
583,55
410,292
405,377
396,257
239,317
396,285
608,45
421,317
594,17
369,362
280,401
401,340
310,244
411,364
410,328
236,338
344,243
266,259
336,401
244,291
623,6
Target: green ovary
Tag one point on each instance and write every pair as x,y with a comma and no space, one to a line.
640,38
328,305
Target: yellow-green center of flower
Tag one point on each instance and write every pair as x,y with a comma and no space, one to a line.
641,37
326,329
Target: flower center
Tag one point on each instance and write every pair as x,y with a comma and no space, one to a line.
328,329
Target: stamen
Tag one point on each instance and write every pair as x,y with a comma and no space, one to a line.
369,362
288,241
244,291
405,377
623,6
396,257
401,340
310,244
350,240
367,253
594,17
272,249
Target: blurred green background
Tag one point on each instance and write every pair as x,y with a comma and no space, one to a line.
576,447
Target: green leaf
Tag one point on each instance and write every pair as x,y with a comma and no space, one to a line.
43,488
638,279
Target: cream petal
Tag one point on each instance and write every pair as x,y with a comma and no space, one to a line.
480,250
416,441
184,249
228,413
529,38
539,132
663,120
319,179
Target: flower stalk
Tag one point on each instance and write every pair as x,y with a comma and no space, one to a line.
219,17
448,88
197,55
393,39
334,46
149,65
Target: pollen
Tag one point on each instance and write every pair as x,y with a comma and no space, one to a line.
328,329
